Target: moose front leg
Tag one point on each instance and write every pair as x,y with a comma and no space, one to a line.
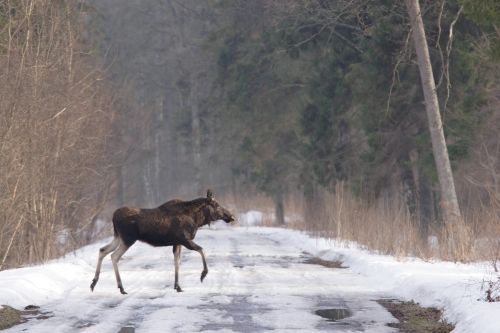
205,267
177,261
190,245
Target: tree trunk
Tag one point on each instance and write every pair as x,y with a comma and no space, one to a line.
423,195
425,204
451,212
146,171
313,208
279,207
196,132
409,187
120,188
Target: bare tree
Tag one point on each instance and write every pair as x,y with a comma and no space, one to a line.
57,120
451,210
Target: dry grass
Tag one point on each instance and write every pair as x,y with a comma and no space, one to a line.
414,319
329,264
345,218
9,317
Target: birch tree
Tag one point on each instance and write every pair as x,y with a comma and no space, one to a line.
451,211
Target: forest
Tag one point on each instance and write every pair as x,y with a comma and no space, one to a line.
315,112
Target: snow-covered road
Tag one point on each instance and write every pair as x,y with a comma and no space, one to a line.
258,281
254,284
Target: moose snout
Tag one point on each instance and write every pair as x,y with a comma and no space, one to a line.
228,218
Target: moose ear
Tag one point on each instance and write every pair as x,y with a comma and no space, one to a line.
210,194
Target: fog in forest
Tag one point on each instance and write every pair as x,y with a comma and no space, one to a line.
314,114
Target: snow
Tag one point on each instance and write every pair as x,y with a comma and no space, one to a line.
250,218
256,218
453,287
256,278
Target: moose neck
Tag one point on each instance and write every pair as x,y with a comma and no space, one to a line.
200,211
203,216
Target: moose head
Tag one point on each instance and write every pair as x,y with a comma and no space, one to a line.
219,212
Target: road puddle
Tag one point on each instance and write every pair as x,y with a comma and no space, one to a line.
333,314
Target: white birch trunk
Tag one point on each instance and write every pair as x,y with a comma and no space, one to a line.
451,212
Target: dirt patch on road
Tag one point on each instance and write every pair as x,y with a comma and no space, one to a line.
415,319
329,264
11,317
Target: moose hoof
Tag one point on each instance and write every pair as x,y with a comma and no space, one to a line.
92,285
178,288
122,291
203,275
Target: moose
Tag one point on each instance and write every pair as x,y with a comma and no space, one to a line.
174,223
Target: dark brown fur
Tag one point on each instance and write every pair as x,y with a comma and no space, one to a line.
174,223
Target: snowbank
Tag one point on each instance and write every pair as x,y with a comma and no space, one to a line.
38,284
454,288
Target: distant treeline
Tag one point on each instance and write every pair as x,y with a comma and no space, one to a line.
117,102
279,95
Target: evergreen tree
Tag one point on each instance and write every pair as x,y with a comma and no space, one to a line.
487,14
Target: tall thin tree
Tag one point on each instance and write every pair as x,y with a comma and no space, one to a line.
451,211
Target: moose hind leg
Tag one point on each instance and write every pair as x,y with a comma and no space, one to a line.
177,261
115,257
195,247
103,252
